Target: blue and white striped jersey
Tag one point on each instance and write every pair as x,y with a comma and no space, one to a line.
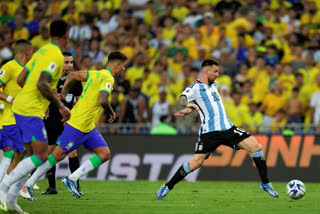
212,112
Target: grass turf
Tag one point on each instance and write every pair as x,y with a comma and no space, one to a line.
138,197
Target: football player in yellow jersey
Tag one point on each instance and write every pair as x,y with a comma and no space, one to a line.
80,129
5,145
8,81
42,73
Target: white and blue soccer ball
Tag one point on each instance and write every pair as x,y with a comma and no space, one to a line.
296,189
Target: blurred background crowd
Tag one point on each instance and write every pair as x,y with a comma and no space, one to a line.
269,53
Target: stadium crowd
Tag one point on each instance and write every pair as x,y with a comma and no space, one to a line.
269,53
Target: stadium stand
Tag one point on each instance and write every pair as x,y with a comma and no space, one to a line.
269,51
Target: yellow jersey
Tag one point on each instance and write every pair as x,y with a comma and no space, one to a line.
30,101
84,112
8,76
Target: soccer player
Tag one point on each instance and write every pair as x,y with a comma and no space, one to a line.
216,129
80,129
10,71
54,126
42,74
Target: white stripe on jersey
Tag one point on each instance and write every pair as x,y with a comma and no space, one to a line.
212,112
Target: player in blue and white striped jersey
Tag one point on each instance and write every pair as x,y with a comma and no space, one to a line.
216,129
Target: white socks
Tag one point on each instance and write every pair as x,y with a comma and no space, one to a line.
85,168
25,167
41,170
4,165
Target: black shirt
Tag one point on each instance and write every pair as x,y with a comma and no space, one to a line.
54,119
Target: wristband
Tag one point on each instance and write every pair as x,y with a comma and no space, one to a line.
9,99
1,106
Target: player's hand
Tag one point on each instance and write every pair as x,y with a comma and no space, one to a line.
65,112
112,116
194,106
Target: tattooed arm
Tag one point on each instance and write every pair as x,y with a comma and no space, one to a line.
184,107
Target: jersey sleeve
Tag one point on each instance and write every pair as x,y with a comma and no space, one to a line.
5,74
51,65
189,92
106,85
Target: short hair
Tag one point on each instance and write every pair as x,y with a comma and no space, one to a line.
209,62
21,45
58,28
66,53
116,55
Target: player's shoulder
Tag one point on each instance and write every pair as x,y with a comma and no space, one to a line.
8,64
194,84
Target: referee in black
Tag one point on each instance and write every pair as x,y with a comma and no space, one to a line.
54,126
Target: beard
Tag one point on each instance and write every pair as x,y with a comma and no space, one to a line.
210,81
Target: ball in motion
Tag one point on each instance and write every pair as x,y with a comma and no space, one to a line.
296,189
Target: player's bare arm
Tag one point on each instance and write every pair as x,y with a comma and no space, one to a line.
22,77
4,96
72,78
185,107
45,90
104,102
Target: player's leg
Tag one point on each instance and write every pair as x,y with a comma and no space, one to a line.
251,145
6,146
188,167
95,142
53,134
32,129
74,165
14,135
56,156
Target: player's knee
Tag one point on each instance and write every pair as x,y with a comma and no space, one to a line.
257,147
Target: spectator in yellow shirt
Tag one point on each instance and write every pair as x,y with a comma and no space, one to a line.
19,32
272,103
253,120
42,39
279,121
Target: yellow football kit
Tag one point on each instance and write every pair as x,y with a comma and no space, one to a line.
84,112
30,101
9,74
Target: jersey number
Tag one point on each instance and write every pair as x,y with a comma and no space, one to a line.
215,96
239,131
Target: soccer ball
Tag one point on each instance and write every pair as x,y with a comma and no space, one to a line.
296,189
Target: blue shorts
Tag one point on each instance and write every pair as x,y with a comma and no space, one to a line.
71,138
4,140
31,128
14,135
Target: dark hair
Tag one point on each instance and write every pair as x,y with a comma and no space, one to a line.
209,62
65,53
21,45
22,42
58,28
116,55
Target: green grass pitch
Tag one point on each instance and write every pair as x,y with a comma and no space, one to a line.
138,197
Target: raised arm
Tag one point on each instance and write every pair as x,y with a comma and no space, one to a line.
72,78
45,90
104,102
